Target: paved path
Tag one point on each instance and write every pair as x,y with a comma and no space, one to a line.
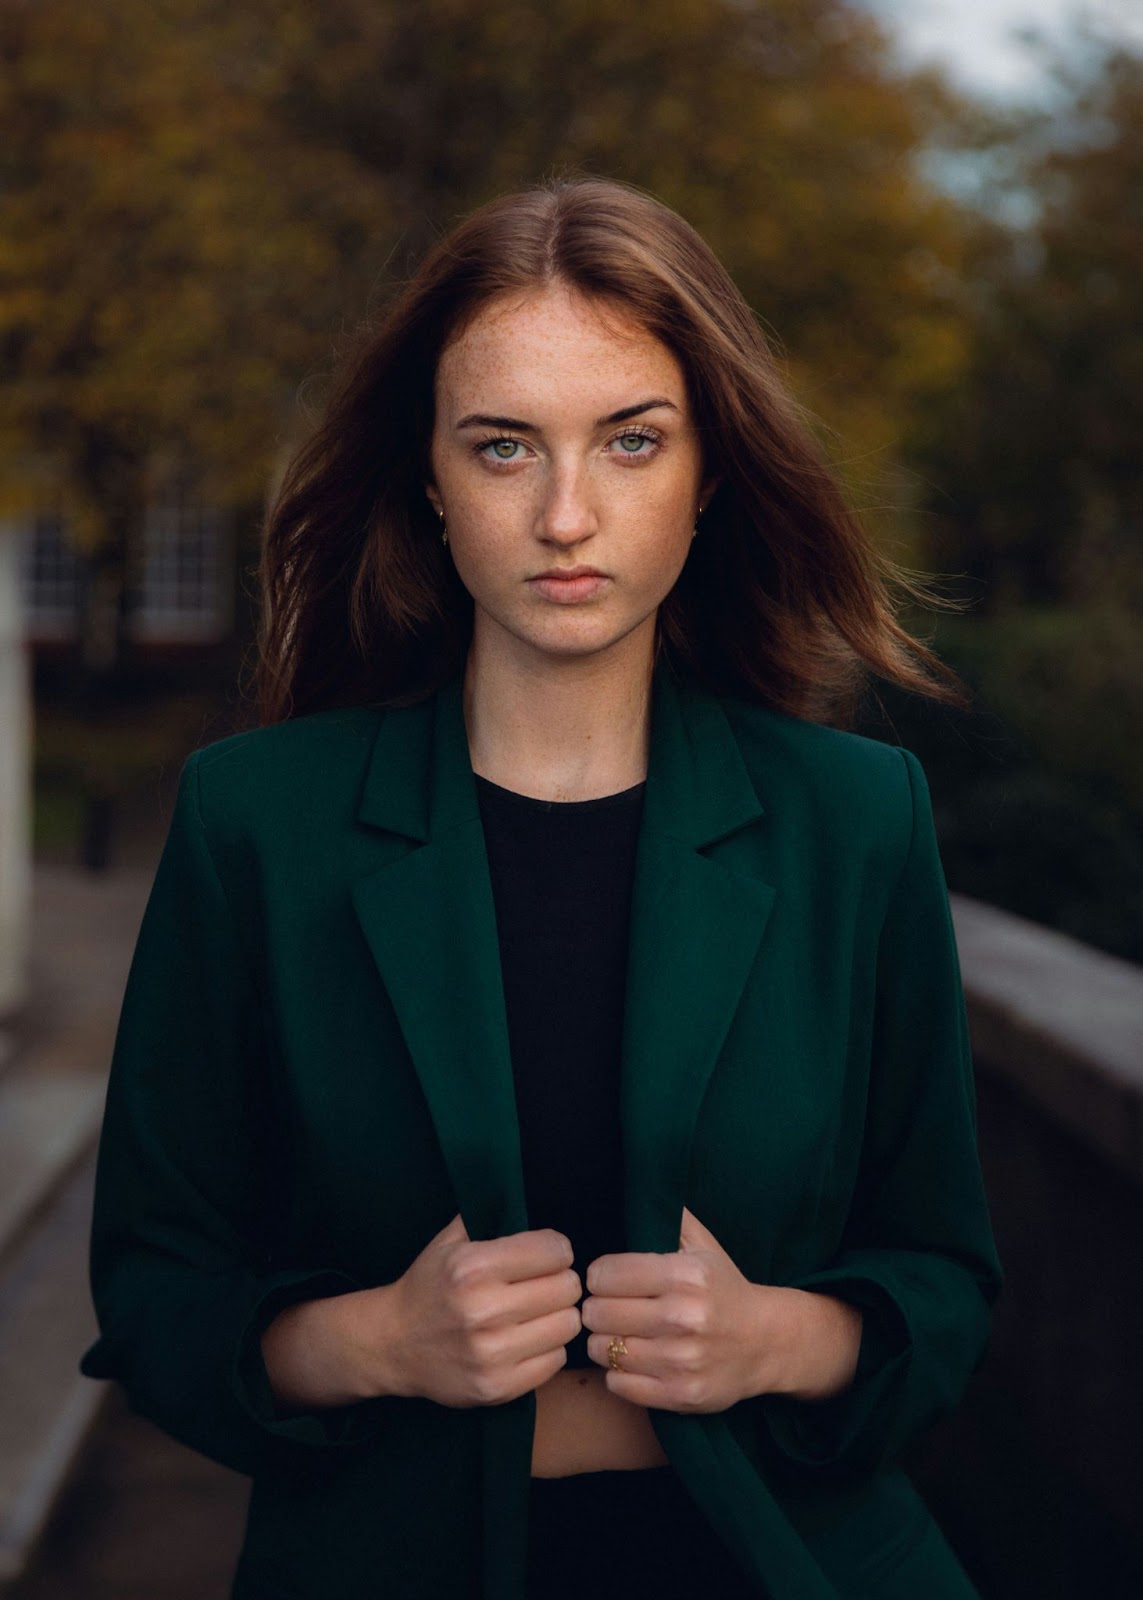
143,1519
83,930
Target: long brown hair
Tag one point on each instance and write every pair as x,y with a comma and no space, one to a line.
784,599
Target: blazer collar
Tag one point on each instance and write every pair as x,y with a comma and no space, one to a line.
419,779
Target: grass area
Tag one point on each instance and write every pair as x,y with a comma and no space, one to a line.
57,817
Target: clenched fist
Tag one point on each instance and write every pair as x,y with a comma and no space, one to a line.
477,1323
700,1336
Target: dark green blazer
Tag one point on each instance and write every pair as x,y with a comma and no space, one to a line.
311,1075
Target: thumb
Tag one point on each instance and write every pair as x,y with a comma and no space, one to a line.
452,1231
694,1236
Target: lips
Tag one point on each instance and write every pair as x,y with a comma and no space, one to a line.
568,588
564,573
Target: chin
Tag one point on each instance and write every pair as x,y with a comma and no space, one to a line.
586,644
573,634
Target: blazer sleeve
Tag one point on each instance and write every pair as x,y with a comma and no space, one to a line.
918,1254
182,1268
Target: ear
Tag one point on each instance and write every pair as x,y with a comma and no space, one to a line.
708,491
434,498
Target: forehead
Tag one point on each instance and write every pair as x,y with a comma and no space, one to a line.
555,340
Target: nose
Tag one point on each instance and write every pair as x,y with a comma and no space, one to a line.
567,515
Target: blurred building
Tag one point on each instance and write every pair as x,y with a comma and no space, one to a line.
179,620
183,593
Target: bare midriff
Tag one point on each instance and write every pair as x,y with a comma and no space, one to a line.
582,1427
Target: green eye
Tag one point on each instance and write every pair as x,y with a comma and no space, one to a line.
502,448
632,441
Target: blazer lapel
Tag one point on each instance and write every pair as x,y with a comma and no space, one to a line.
696,925
430,922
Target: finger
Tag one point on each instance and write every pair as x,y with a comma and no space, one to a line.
516,1257
536,1297
633,1272
535,1373
644,1356
528,1375
640,1389
529,1339
649,1317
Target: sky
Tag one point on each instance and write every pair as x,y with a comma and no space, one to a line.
974,39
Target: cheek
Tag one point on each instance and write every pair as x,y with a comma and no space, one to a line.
488,510
663,538
485,554
663,505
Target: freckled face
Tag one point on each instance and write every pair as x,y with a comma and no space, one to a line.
546,481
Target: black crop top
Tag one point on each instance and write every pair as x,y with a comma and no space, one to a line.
561,882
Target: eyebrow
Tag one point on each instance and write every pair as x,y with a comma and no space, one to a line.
478,419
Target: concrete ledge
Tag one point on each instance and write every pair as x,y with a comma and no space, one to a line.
1060,1020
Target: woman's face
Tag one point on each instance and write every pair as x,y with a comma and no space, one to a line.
536,469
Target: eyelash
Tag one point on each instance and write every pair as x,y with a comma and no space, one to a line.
641,432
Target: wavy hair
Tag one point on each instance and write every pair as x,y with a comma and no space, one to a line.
784,599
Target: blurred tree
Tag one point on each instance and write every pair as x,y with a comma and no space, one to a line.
195,195
1036,454
1033,485
167,272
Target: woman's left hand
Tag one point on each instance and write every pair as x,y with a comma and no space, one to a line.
699,1335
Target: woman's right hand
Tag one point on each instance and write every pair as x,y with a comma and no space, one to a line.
472,1322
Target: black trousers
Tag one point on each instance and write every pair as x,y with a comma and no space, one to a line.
623,1535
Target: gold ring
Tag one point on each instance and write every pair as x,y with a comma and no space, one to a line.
614,1350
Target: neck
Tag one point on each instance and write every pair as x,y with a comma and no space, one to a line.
561,729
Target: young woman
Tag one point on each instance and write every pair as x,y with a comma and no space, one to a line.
540,1142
